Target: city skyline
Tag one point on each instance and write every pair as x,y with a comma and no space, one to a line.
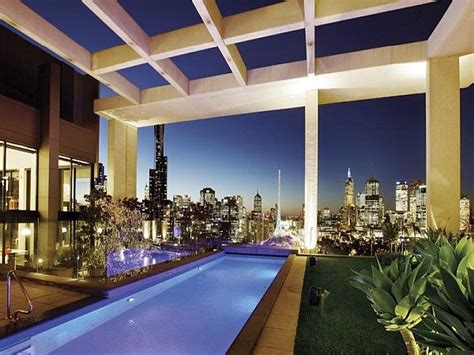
368,143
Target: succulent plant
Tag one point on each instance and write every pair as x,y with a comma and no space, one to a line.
396,294
450,292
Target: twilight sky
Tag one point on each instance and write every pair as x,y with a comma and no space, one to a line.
237,155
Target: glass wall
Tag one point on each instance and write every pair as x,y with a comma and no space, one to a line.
18,177
18,185
18,242
75,179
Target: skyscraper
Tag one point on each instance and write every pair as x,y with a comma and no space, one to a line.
158,177
257,206
401,197
421,218
361,210
207,196
349,201
372,202
412,199
465,211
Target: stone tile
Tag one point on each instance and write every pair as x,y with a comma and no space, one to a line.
285,310
252,329
290,297
52,298
281,321
277,338
263,350
241,347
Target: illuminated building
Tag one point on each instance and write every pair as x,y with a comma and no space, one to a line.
361,210
349,201
257,207
158,177
421,217
412,199
465,210
373,202
207,196
49,139
401,197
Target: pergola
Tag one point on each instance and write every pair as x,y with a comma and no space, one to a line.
438,67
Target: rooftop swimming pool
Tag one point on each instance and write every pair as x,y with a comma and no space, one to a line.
199,311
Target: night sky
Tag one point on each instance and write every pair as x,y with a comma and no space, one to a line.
238,155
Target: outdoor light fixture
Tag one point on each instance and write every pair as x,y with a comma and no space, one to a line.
40,261
130,299
99,230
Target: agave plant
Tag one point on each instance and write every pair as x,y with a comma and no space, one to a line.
450,292
396,294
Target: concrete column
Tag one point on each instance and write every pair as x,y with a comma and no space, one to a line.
48,178
443,143
122,160
311,170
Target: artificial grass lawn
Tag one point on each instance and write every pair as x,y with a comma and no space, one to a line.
349,325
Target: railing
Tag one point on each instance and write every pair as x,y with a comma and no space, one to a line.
14,318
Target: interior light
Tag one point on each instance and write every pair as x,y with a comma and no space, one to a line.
64,229
26,232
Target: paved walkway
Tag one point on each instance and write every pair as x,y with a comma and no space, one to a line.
44,298
278,335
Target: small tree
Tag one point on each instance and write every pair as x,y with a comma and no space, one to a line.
110,226
390,232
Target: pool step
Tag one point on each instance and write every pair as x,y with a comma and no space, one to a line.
23,348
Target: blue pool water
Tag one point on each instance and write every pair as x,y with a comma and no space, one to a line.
198,312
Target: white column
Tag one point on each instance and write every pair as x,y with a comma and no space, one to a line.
311,170
122,160
443,143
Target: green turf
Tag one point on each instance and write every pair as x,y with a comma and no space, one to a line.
349,325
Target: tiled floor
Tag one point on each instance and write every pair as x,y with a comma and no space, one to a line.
278,335
44,298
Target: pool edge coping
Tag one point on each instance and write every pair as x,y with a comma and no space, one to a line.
247,339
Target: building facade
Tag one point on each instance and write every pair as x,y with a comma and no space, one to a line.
49,142
373,202
207,196
401,197
349,201
465,211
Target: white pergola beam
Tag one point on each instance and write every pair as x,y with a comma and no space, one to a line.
28,22
119,21
454,34
259,23
309,7
330,11
212,19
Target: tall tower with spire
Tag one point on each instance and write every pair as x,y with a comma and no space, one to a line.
257,206
278,211
349,200
158,177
